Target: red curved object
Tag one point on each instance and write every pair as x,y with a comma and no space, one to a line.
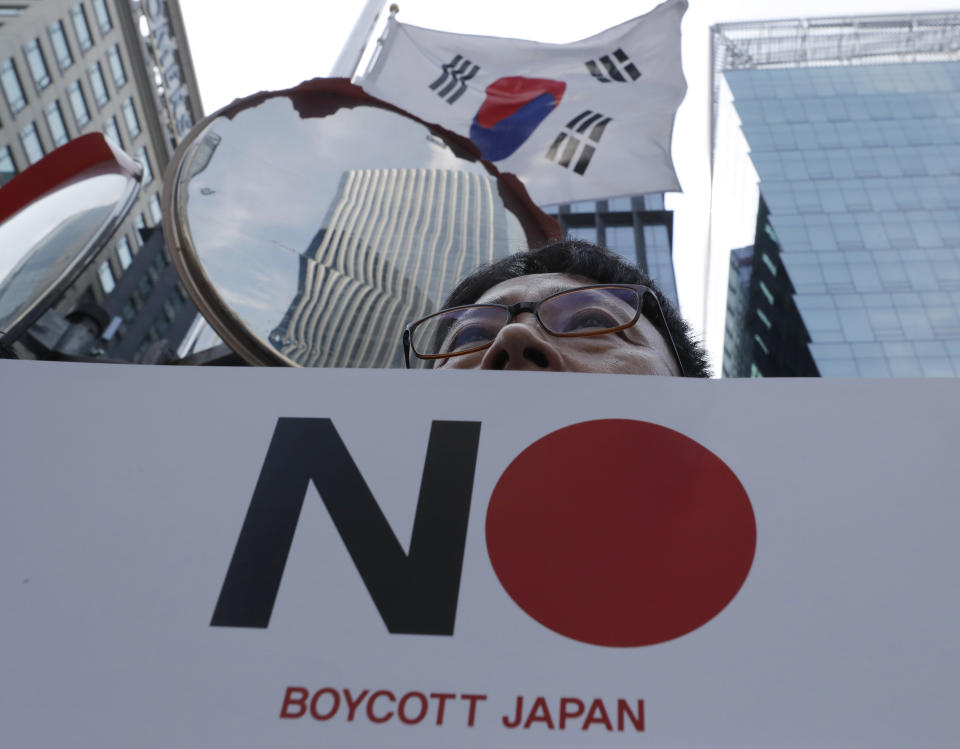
59,167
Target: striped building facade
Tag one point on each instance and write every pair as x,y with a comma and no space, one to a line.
394,243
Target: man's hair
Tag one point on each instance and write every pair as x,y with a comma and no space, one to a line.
578,258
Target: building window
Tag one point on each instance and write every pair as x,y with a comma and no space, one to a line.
55,123
145,161
769,263
60,47
586,233
78,103
123,252
155,209
144,285
584,206
38,66
98,85
766,292
140,226
619,204
103,16
655,237
111,130
80,25
621,240
8,169
106,277
161,324
11,86
116,66
31,143
653,201
130,117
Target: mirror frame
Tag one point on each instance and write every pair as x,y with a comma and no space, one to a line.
538,227
70,162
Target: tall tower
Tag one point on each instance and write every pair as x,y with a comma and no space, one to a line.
121,67
638,228
836,191
393,245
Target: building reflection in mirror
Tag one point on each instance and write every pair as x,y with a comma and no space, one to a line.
393,244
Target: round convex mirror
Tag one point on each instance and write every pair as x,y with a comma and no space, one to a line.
311,225
54,218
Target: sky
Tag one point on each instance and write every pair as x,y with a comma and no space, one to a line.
239,48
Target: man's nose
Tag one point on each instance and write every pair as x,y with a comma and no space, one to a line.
522,345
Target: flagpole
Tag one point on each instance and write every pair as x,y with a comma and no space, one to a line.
353,49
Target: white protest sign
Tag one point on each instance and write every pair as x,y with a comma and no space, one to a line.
793,582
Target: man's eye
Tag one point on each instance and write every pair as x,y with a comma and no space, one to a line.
590,319
469,336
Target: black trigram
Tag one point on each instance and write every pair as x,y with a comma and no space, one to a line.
567,144
612,70
454,79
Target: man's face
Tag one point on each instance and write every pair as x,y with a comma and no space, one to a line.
524,345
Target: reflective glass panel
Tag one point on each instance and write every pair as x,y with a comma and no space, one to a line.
11,86
31,143
103,16
105,273
123,252
325,226
586,233
80,26
38,66
8,169
116,66
144,160
621,240
78,103
98,85
60,46
58,128
130,117
111,130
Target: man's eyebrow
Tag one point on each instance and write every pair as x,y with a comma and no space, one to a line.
550,291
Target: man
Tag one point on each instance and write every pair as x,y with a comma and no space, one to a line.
569,306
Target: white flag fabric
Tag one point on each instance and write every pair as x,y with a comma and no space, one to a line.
580,121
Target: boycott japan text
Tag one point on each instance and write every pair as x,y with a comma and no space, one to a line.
411,708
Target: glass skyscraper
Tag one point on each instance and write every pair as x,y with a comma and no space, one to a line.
638,228
836,195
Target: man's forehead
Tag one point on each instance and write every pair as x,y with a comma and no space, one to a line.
531,288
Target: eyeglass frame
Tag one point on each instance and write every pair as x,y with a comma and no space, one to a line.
534,307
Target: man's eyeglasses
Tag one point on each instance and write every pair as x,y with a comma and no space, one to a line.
581,311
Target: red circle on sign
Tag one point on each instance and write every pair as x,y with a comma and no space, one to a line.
621,533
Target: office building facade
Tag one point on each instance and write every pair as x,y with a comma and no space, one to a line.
392,246
123,68
637,228
836,195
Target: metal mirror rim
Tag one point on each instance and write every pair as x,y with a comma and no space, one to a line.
537,226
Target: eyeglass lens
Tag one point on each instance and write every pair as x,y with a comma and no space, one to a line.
585,311
577,312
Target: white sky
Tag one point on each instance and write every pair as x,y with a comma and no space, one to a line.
240,47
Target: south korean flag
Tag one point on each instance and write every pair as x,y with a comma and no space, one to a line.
579,121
